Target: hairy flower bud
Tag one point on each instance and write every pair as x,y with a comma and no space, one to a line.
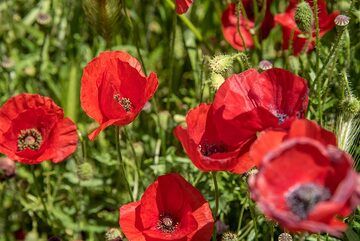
216,80
220,63
350,107
304,17
85,171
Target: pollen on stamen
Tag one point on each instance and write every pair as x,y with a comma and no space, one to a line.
29,139
208,149
124,102
167,223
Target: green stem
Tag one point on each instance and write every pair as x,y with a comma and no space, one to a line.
130,142
216,201
121,162
240,7
37,188
241,217
187,22
253,216
317,34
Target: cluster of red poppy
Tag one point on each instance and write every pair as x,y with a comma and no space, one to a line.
239,30
304,181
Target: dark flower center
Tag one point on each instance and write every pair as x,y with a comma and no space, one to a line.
209,149
167,223
302,199
124,102
29,138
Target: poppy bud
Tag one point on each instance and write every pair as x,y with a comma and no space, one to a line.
103,15
30,71
113,234
220,63
228,236
285,237
85,171
216,80
350,106
304,17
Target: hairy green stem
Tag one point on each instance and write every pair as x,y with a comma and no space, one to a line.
239,8
317,34
121,161
213,174
37,188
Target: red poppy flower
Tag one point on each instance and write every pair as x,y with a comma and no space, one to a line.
270,139
250,102
306,186
114,89
246,24
183,5
205,147
170,209
287,21
33,129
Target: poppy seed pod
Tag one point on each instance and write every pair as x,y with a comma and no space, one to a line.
285,237
113,234
228,236
304,17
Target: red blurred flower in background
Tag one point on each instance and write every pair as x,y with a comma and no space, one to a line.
33,129
206,149
170,209
182,6
288,24
250,102
114,89
230,21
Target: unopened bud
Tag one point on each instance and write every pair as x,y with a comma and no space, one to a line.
220,63
7,63
350,106
216,80
7,168
304,17
30,71
85,171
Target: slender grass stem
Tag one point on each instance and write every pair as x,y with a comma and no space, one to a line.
37,188
254,218
214,174
239,8
121,162
241,217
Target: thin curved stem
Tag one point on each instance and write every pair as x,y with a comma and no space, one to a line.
121,162
37,188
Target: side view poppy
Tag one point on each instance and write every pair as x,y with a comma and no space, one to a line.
170,209
33,129
114,89
307,184
250,102
182,6
231,25
206,149
299,39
